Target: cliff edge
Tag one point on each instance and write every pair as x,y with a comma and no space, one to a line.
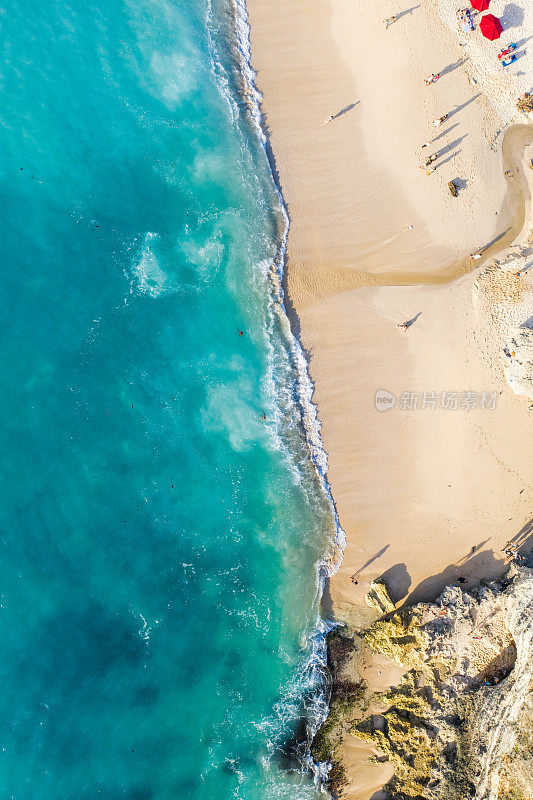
440,695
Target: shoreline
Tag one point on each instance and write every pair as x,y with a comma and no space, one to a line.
279,292
316,708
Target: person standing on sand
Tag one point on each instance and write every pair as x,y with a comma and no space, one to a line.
389,21
433,78
427,143
328,119
440,120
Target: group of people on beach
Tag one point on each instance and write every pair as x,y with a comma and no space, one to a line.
434,156
464,15
510,551
433,78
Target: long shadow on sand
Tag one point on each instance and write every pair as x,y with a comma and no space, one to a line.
452,67
345,109
463,105
407,11
376,555
467,569
446,132
446,149
398,582
493,241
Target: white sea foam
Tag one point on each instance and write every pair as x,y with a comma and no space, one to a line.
310,680
148,277
206,255
170,74
308,411
227,410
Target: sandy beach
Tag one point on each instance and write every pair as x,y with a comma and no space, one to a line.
431,489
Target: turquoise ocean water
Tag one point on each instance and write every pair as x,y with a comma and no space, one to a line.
160,541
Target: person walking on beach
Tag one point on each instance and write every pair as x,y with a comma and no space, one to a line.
427,143
389,21
440,120
406,325
433,78
328,119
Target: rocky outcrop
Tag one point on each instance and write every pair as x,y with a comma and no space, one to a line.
459,723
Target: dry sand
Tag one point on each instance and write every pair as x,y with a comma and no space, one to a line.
428,484
430,494
354,186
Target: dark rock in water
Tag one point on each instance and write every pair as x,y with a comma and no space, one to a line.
231,766
458,723
340,648
294,750
235,764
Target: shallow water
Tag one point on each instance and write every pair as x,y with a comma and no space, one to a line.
159,539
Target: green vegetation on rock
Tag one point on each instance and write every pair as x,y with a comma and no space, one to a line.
403,734
399,638
451,727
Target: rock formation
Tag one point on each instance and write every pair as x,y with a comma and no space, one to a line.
459,723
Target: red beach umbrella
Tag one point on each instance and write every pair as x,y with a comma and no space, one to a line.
480,5
491,27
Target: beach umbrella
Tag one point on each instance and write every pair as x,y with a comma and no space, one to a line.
480,5
491,27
